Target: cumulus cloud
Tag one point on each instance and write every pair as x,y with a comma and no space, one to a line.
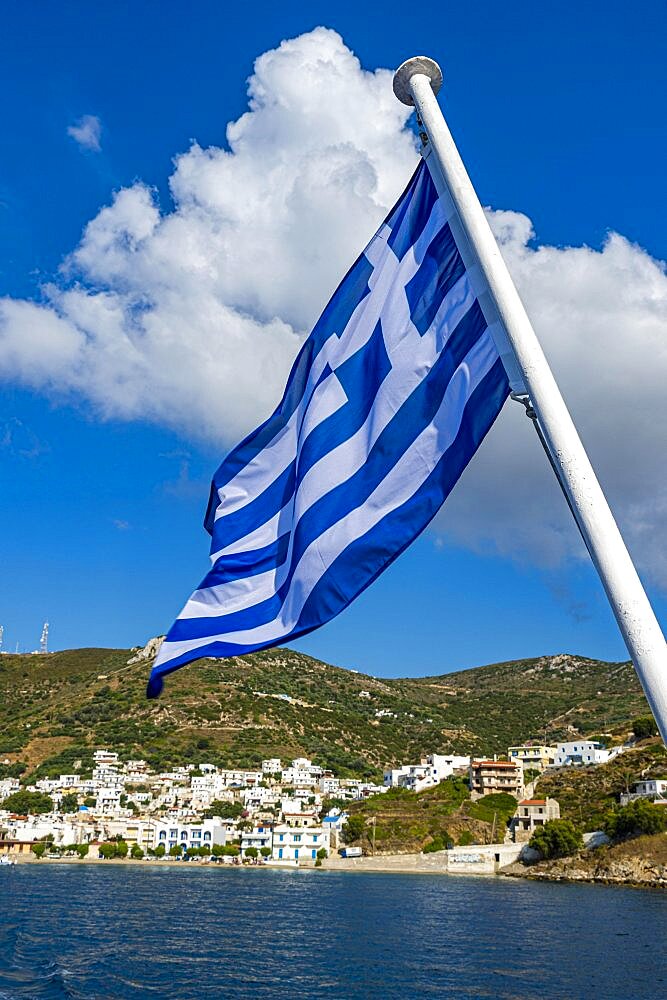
192,317
87,132
600,315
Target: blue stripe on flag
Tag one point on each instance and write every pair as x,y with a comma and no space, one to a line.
385,405
416,413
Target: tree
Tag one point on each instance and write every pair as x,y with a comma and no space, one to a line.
217,850
643,727
437,844
69,803
107,851
175,851
121,849
204,850
558,838
82,850
14,770
251,852
28,803
639,816
231,851
160,851
227,810
39,849
136,852
353,829
322,853
90,802
265,852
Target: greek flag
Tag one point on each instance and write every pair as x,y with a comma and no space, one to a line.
387,402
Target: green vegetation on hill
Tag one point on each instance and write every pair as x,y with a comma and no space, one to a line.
57,708
587,794
404,821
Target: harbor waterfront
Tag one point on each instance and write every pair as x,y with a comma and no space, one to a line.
108,931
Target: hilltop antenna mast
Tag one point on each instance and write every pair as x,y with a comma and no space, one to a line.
44,641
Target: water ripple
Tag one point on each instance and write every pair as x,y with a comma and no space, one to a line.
126,932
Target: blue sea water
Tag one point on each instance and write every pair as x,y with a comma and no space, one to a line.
123,931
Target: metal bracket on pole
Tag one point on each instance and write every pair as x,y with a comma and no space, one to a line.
524,399
416,83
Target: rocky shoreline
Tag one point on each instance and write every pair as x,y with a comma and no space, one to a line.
641,863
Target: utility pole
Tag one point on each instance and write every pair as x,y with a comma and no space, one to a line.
372,821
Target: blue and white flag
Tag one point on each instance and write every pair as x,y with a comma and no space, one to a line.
387,402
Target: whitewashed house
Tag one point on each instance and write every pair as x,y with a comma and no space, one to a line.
173,833
299,844
654,789
260,837
8,786
272,765
578,753
329,785
107,800
301,772
431,770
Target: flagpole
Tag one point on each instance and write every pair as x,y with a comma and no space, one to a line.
416,83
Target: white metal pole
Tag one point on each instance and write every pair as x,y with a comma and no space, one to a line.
417,82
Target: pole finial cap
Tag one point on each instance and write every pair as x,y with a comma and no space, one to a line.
404,73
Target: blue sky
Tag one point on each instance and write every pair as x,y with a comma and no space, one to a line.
558,114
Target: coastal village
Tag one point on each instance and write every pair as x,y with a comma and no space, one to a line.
286,813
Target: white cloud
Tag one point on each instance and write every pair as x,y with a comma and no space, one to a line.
87,132
191,318
600,316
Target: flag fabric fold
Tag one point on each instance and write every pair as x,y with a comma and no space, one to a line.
387,401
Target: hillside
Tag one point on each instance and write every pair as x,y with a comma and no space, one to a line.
586,794
58,707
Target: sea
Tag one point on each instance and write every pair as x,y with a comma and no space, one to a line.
127,931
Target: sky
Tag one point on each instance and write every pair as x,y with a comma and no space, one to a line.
181,189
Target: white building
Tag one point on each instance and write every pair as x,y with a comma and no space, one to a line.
432,769
655,789
301,772
109,776
69,780
173,833
259,798
239,779
272,766
105,758
329,785
299,844
46,785
141,798
136,770
108,800
56,828
261,836
577,753
8,786
208,787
